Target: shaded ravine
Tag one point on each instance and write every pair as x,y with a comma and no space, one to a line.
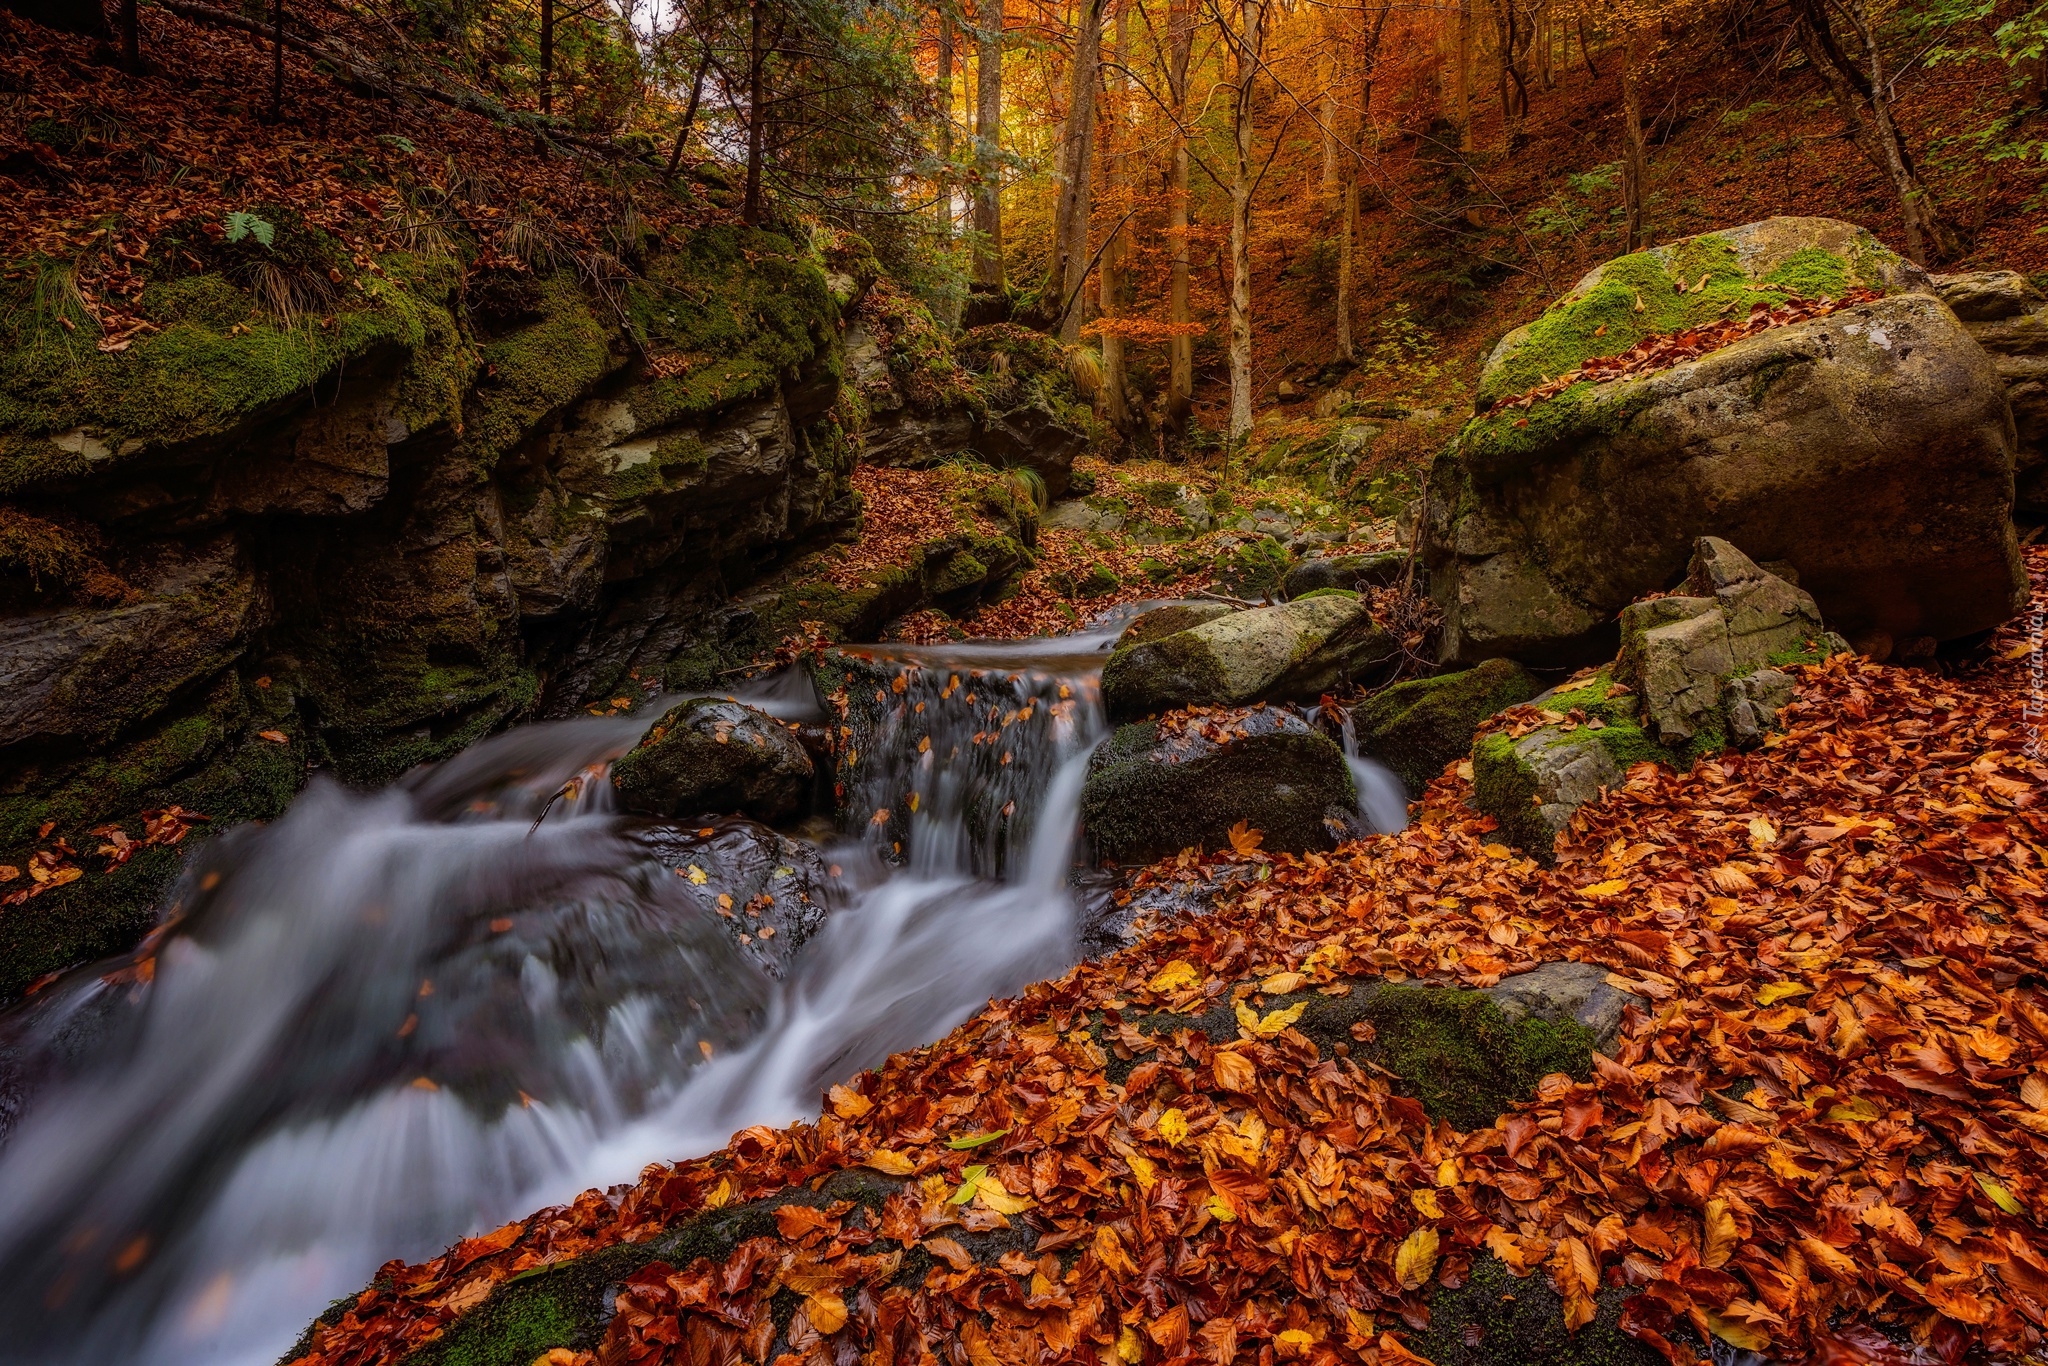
390,1019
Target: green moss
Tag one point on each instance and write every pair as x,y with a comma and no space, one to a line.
740,306
537,370
1417,727
1255,569
210,368
1494,1318
1812,273
1351,593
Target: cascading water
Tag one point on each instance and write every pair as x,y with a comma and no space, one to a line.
388,1020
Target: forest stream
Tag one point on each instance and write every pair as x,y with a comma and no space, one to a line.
239,1122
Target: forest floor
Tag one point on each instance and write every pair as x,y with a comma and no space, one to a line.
1833,1110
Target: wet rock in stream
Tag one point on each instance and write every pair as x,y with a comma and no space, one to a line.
770,892
714,755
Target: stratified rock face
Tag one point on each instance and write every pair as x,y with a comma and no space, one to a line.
1417,727
1158,787
1682,653
1296,651
712,756
1870,447
2009,318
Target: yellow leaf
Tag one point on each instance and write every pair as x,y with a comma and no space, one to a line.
1737,1333
1447,1172
1292,1342
913,801
721,1194
893,1163
848,1103
1281,983
1173,1127
1425,1203
1464,770
1496,850
1220,1210
696,875
1778,991
827,1312
1244,839
1416,1258
1857,1110
1330,956
1722,1235
989,1194
1762,834
1273,1023
1610,887
1175,976
1142,1167
1128,1348
2000,1196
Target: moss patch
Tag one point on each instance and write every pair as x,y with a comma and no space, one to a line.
1493,1318
1417,727
537,370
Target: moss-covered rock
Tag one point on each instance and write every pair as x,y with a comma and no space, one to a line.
1256,569
709,756
1172,618
1380,569
1157,787
1813,442
1298,650
1417,727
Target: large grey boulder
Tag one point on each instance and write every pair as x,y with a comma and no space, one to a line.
714,756
1160,786
1870,447
2009,319
1682,653
1295,651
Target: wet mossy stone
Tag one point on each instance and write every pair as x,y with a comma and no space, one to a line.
1155,788
1296,651
710,755
1417,727
1379,569
1494,1318
1466,1056
1174,616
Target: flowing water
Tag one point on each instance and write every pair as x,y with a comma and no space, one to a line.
390,1019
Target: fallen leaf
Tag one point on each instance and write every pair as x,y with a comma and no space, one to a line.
1175,976
1415,1259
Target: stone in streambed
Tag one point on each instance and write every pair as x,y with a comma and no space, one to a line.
778,888
1296,651
1380,569
1159,786
1417,727
710,755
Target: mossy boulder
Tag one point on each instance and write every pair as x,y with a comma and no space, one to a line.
1295,651
713,756
1380,569
1171,618
1417,727
1870,447
1160,786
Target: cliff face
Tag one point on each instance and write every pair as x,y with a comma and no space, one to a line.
247,543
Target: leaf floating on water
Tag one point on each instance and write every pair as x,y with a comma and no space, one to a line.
696,875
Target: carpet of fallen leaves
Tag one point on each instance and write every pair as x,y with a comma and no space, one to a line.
901,510
189,141
1832,1113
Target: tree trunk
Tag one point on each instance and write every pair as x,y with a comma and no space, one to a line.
1330,67
988,132
1248,48
1347,245
1634,161
1180,22
1461,72
945,82
131,39
1585,48
547,56
1115,403
1070,243
750,212
675,158
276,61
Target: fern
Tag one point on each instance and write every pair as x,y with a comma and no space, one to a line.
241,225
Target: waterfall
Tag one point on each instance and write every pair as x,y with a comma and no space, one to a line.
391,1019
